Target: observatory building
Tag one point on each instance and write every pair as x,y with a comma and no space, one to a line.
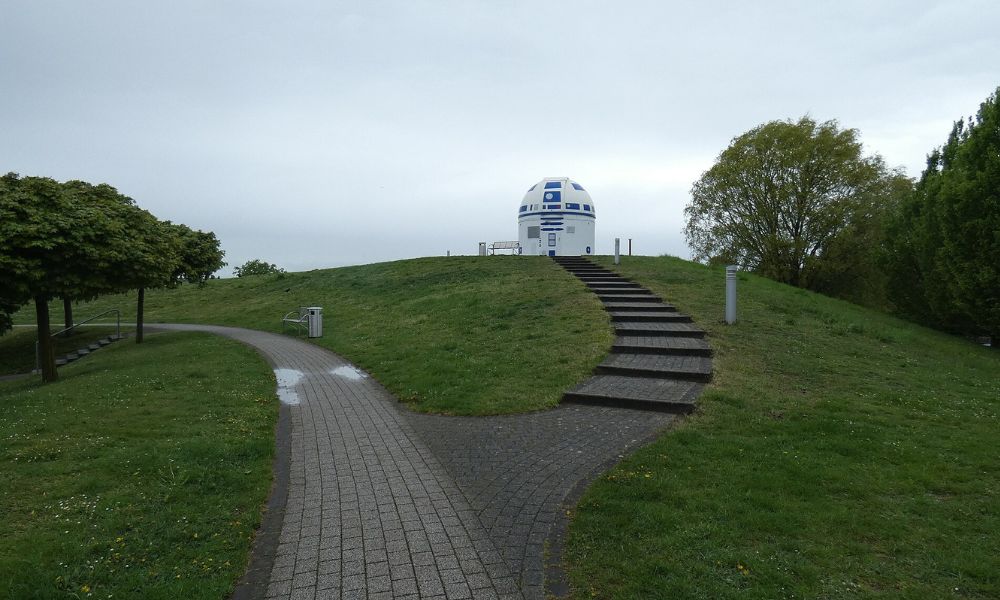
556,218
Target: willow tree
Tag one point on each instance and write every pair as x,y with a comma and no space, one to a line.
782,194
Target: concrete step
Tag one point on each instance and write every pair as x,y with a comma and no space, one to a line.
94,346
601,277
82,352
103,342
637,291
589,271
665,395
639,306
610,283
617,298
646,344
655,329
691,368
636,316
61,361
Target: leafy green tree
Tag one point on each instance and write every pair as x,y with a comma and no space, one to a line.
256,267
851,265
174,254
49,242
200,255
787,199
152,259
945,243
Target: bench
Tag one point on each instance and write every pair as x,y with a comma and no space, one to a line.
514,247
296,318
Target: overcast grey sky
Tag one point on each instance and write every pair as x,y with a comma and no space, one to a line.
315,134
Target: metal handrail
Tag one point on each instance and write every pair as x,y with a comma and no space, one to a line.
299,322
118,331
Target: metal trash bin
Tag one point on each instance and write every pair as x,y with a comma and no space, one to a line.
315,319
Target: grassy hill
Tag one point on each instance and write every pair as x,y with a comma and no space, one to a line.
839,452
463,335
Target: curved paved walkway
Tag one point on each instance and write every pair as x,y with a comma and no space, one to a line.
385,503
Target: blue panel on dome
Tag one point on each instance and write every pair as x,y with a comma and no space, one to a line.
552,206
553,197
586,207
523,208
577,186
553,185
572,206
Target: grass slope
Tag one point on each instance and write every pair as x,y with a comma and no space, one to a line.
17,347
839,453
140,474
463,335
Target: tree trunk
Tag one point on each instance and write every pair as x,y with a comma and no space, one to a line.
138,316
68,315
46,349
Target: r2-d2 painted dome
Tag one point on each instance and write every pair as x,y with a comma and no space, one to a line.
556,218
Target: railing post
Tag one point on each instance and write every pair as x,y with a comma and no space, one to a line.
618,256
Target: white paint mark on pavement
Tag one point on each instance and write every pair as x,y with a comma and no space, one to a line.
287,380
348,372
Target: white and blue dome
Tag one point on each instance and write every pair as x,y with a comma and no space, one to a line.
556,218
562,191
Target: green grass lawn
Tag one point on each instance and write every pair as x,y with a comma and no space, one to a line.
462,335
840,453
140,474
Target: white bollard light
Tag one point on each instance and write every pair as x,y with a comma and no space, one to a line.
618,256
731,294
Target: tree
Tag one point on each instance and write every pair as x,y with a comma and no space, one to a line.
256,267
49,242
946,240
783,196
179,254
199,253
851,265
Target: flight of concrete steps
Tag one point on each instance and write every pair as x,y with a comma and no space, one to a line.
80,353
659,359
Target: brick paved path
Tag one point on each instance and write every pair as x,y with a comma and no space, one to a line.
385,503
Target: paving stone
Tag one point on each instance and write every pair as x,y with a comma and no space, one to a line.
383,501
348,438
517,470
